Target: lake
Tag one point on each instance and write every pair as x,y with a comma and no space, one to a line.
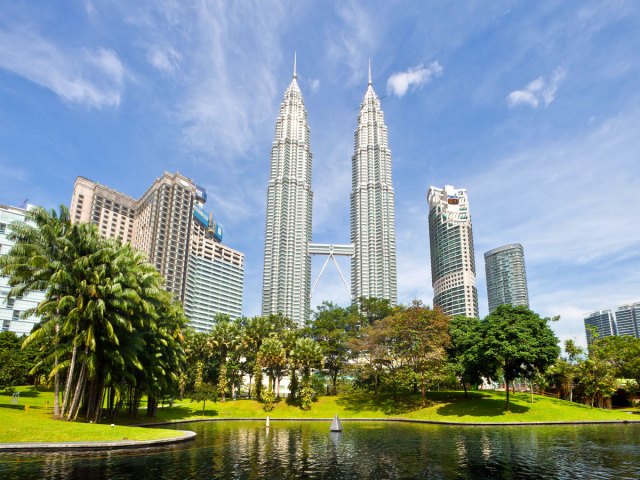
378,450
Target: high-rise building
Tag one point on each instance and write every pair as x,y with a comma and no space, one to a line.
215,274
603,322
12,309
373,231
453,268
286,284
628,320
506,276
169,224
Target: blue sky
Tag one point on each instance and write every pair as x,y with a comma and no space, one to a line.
534,107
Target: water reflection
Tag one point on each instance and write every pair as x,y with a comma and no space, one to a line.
363,450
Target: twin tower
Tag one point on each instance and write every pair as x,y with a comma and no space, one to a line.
286,286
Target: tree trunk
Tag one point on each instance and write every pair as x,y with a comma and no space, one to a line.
335,382
423,391
464,386
75,403
67,390
56,396
507,390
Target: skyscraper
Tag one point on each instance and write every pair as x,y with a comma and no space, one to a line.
603,322
373,231
506,276
286,284
628,319
453,267
169,224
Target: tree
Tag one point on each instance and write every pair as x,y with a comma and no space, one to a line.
15,363
41,249
373,309
272,357
307,354
465,349
422,337
517,341
226,337
332,328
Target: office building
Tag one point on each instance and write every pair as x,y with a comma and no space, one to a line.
628,319
169,224
286,284
603,322
453,270
506,276
12,309
373,231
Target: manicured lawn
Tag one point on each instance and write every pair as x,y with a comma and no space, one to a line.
36,424
442,406
19,424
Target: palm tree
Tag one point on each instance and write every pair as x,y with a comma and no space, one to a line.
41,250
226,338
272,357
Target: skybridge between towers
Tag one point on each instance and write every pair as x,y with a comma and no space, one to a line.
331,252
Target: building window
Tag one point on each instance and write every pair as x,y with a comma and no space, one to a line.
10,302
16,315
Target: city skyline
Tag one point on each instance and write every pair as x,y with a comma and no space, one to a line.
533,108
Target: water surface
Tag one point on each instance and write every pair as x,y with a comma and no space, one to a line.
248,450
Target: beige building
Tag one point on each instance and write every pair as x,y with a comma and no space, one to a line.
169,224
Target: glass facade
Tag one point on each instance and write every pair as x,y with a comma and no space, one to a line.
506,276
453,268
603,322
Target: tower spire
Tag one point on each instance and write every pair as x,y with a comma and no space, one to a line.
295,74
369,71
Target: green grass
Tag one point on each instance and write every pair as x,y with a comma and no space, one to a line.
34,424
441,406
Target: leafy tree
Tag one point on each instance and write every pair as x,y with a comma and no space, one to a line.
465,350
15,363
421,338
333,327
373,309
517,341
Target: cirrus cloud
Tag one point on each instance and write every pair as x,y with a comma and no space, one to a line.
538,91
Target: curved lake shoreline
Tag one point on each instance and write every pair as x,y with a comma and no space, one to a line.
374,449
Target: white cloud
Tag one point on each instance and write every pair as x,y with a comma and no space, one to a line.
575,215
90,77
166,60
538,91
314,85
353,41
400,83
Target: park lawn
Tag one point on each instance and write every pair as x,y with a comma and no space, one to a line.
34,424
484,406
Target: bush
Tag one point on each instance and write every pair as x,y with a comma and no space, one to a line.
269,399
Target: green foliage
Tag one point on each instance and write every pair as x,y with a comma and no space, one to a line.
107,323
15,363
518,342
465,349
333,327
268,399
307,395
203,392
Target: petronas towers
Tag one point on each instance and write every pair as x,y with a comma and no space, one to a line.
287,262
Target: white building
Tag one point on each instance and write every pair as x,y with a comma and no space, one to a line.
453,268
286,284
12,309
373,231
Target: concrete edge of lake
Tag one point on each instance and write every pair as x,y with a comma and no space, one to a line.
112,445
399,420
